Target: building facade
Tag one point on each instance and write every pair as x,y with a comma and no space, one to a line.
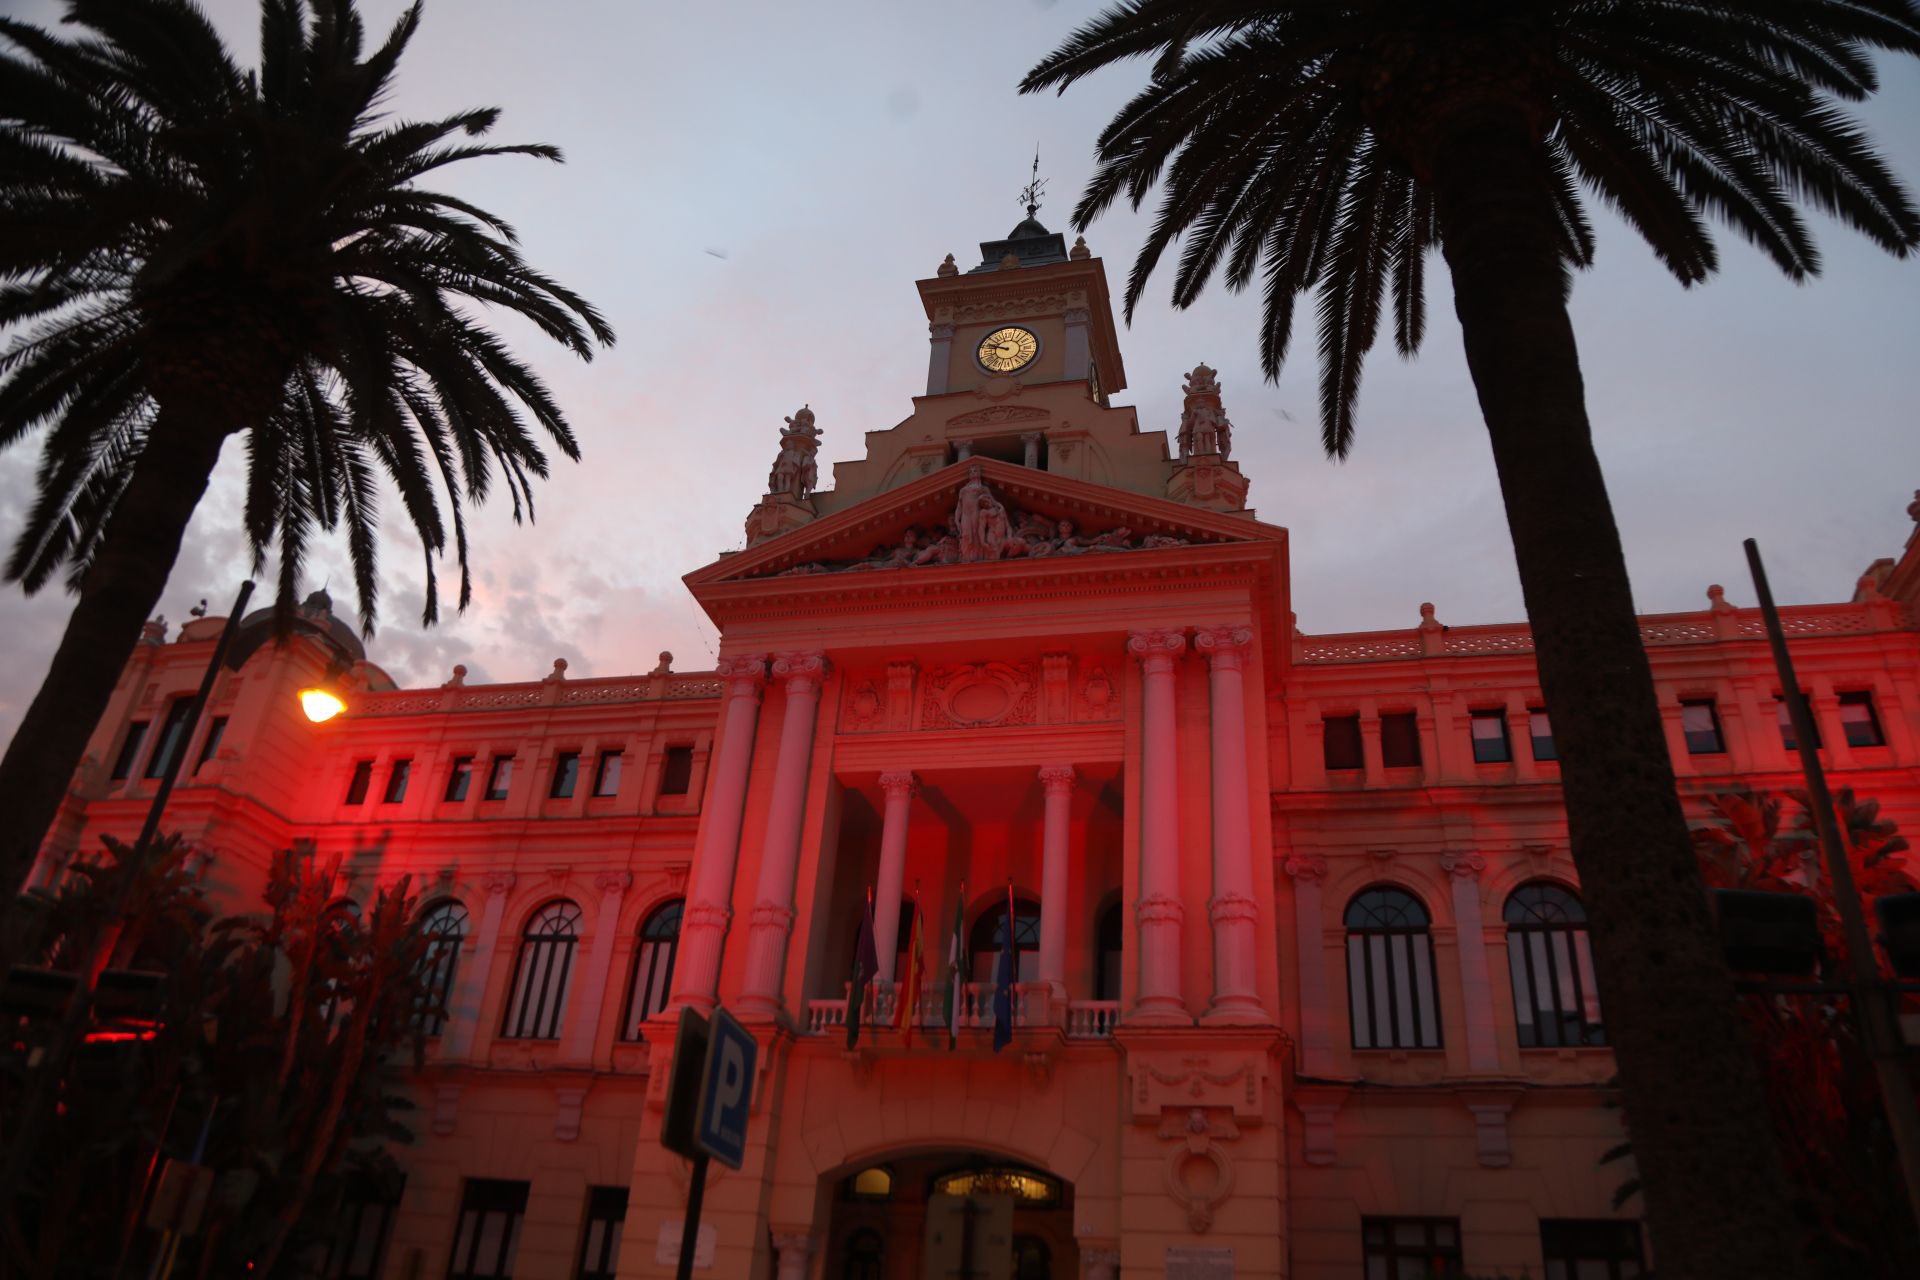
1301,976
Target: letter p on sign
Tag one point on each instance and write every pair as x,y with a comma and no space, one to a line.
727,1095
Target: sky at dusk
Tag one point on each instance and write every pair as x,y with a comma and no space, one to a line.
752,189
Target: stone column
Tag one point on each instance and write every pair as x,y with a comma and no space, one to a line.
1057,780
1309,937
577,1045
463,1011
794,1249
940,350
703,927
899,787
1159,910
1476,989
1030,449
772,921
1235,914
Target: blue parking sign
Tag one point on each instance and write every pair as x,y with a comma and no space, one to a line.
726,1091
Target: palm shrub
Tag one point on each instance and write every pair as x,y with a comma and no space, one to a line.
1325,147
191,251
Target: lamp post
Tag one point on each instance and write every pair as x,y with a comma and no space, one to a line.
1874,1007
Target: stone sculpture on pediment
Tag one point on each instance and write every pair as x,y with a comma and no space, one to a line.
1204,429
794,471
984,528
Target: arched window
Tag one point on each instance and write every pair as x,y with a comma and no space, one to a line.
989,933
1554,999
444,926
653,958
538,996
1032,1260
866,1255
1109,946
1390,997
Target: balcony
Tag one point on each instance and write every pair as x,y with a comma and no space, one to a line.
1034,1005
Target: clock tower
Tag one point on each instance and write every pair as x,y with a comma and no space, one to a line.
1033,311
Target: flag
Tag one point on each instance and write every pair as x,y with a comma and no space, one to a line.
956,966
916,970
865,965
1003,984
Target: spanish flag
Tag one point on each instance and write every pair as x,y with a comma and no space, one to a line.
909,996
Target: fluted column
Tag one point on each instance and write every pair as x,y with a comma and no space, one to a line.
1159,910
899,787
470,986
703,926
1309,937
1235,914
1476,987
577,1045
1057,781
772,922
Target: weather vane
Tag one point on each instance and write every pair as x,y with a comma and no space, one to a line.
1030,194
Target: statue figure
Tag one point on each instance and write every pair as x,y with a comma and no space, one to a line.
1204,428
980,520
794,472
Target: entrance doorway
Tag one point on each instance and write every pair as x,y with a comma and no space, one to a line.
930,1215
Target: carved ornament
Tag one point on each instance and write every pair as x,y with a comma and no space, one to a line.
979,695
1199,1173
997,414
771,915
1310,868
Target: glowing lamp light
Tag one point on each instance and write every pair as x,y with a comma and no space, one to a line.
321,705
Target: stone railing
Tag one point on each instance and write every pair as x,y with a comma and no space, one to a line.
1033,1006
1708,626
539,693
1092,1019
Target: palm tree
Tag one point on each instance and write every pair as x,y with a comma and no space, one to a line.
191,251
1328,145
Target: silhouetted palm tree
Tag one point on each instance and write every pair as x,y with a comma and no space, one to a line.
1327,146
190,251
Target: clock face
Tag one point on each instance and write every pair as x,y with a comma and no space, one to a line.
1008,349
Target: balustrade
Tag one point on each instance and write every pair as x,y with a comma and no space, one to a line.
1034,1005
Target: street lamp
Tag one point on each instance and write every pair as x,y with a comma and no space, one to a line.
321,704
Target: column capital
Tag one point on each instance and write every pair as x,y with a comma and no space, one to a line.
1057,779
1232,906
1310,868
1157,649
1159,906
939,331
1463,866
772,915
803,672
706,915
613,883
899,782
499,882
744,676
1227,646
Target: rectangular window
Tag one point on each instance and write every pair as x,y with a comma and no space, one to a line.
1400,740
1785,713
499,778
1701,725
215,731
1490,745
1542,731
600,1250
459,778
1410,1248
566,771
397,775
489,1230
1341,742
360,1236
676,774
1859,721
362,779
606,774
1595,1249
173,737
129,750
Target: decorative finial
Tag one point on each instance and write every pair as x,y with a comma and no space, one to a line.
666,664
1030,194
459,676
948,268
1717,599
1079,252
558,673
199,610
1427,621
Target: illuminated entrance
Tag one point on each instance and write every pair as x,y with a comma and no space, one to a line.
952,1215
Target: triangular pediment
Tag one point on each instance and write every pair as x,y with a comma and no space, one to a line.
981,512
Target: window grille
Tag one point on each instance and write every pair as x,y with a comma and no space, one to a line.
538,997
659,946
489,1230
600,1249
1390,992
444,926
1554,997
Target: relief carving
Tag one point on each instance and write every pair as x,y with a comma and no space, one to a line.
979,694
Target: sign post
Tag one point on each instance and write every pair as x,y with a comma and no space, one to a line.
709,1095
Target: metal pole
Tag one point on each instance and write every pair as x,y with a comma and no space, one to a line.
690,1233
1873,1005
39,1099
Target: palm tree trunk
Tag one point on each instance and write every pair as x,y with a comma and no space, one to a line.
1716,1192
118,595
